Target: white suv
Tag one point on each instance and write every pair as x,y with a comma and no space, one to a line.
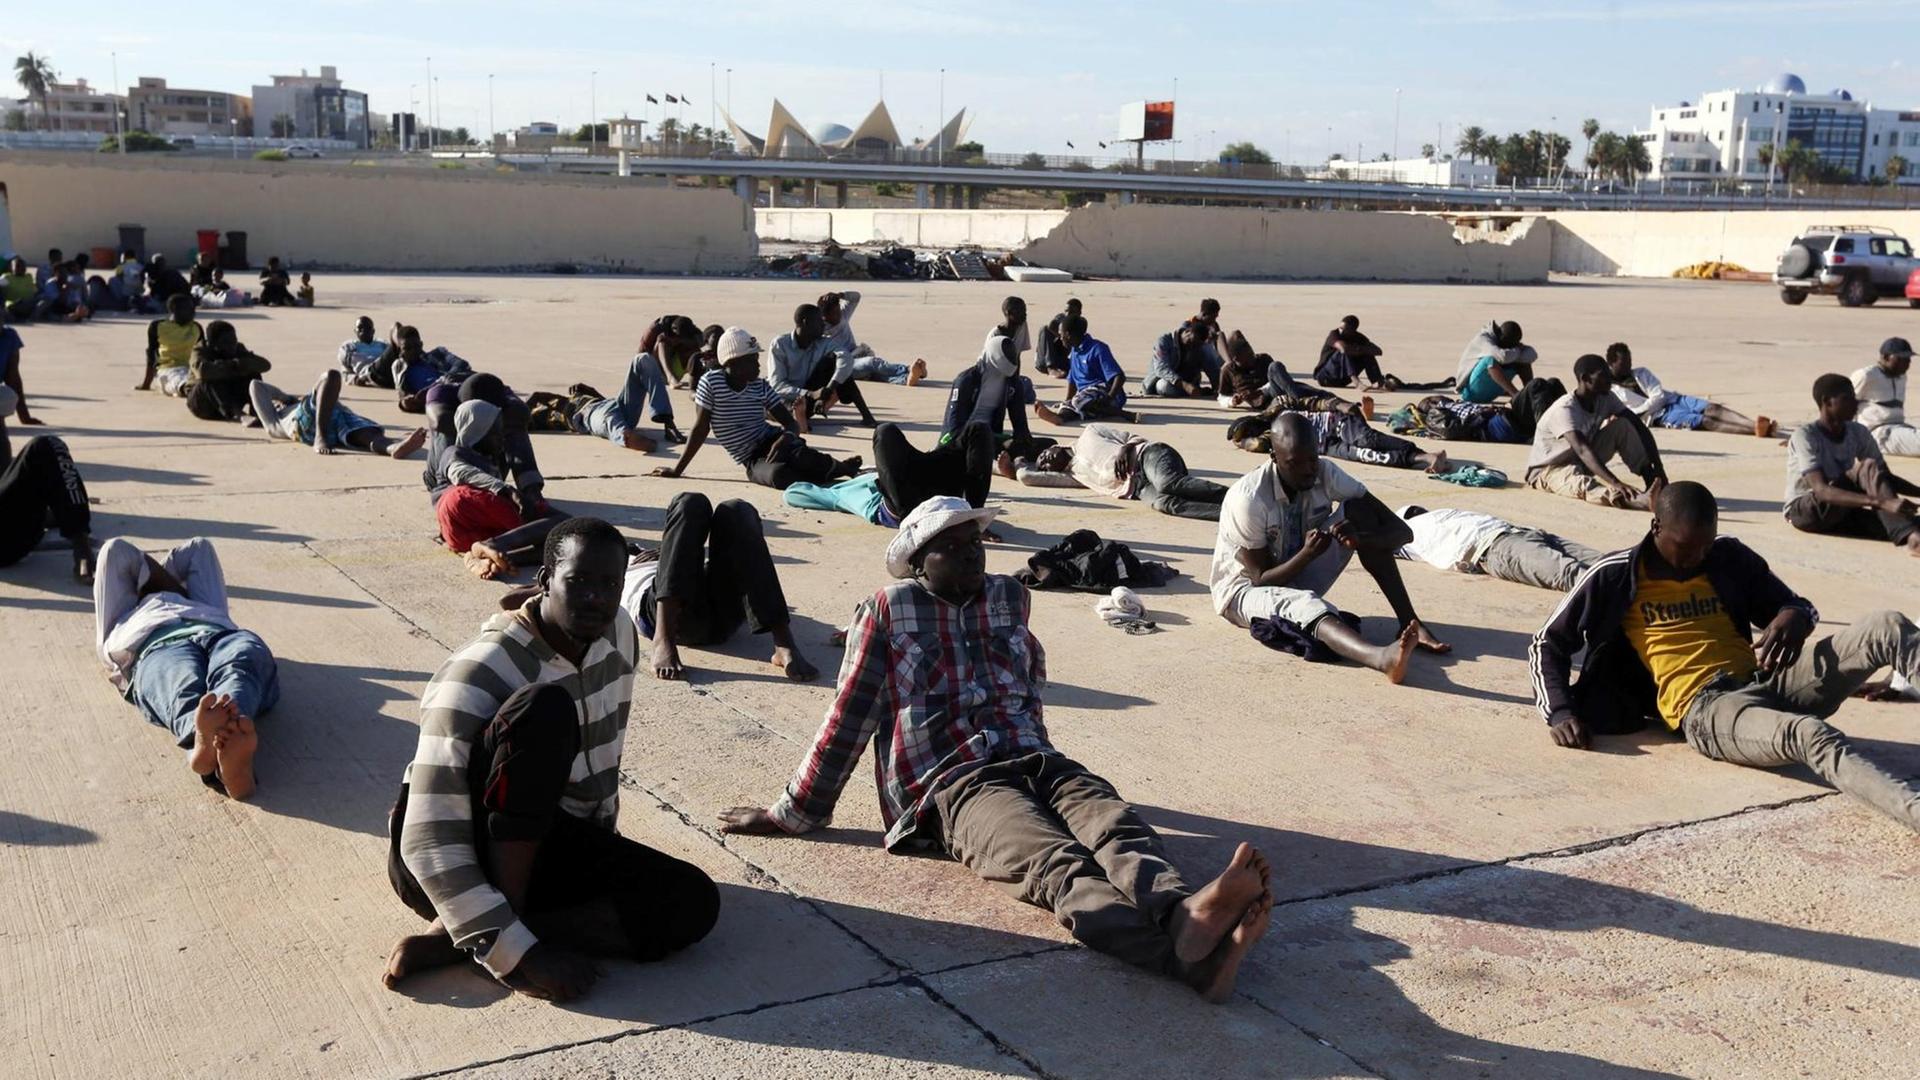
1859,264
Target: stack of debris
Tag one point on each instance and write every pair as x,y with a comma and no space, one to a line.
896,263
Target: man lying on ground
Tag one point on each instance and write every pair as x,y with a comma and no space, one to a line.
1584,430
1639,390
1343,435
617,419
1667,629
220,374
170,345
415,369
836,308
504,834
39,487
1882,391
320,421
1469,542
1495,364
362,353
1096,386
1837,480
1256,381
1182,359
965,767
808,376
171,648
1288,529
734,404
1442,417
1347,355
1115,462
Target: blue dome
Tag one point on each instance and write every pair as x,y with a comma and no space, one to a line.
1843,95
1787,83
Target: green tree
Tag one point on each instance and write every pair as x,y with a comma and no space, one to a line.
461,136
591,133
1896,168
1471,143
35,75
969,148
1245,153
669,130
1798,163
1589,128
1033,161
1428,151
1765,156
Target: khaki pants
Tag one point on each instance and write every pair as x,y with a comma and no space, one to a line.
1616,438
1781,719
1898,440
1055,835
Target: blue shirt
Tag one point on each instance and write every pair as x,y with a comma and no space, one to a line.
1480,387
1091,363
10,346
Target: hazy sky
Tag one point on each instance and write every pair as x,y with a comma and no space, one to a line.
1036,75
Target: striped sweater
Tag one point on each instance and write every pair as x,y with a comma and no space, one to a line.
437,835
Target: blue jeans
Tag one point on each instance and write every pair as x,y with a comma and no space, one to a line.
646,385
874,369
169,679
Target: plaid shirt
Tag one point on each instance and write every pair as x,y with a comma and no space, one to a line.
938,689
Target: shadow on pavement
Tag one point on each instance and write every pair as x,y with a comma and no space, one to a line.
26,830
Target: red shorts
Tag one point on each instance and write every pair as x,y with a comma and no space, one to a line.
469,515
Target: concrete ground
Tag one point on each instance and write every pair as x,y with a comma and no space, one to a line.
1457,897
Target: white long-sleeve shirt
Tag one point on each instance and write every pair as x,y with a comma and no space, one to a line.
1646,397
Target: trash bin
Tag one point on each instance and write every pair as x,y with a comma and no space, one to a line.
208,241
103,259
134,238
236,256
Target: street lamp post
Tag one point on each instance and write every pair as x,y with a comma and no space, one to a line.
233,135
593,107
1396,123
413,117
493,132
940,123
430,135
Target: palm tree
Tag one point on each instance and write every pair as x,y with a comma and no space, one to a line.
35,75
1896,168
1635,158
1428,151
1603,154
1471,142
1765,155
1589,128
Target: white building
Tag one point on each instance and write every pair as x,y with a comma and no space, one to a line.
1446,172
1720,137
312,107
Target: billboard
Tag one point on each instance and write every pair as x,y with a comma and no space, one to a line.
1146,121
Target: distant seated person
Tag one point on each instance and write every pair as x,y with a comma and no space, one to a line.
1257,382
219,376
1183,360
416,369
734,404
1343,435
275,288
200,275
63,296
1469,542
171,647
809,376
320,421
170,345
1882,391
164,283
1583,431
494,525
674,342
1051,348
129,284
1495,364
1096,386
993,391
1113,462
1838,481
362,353
219,294
46,271
837,309
41,488
1639,390
1347,356
304,294
18,289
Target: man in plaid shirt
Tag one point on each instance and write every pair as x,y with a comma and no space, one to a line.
943,676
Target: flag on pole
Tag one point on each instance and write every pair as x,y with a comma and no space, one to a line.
1069,146
652,100
671,100
685,100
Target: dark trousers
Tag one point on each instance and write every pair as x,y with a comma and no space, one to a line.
1868,477
714,560
443,399
219,399
909,476
40,485
1353,439
1166,485
516,775
821,377
1337,369
794,462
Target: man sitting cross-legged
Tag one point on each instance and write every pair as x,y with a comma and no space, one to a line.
320,421
162,628
943,676
1283,543
1838,481
1116,462
1469,542
1584,430
1096,385
1667,629
504,831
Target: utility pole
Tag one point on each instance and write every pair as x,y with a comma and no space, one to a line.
432,140
940,123
493,133
593,108
1396,123
119,129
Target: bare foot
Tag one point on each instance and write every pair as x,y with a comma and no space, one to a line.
1427,641
1395,657
322,447
797,667
1004,465
486,563
1763,426
83,562
1042,410
1215,976
666,660
415,440
209,719
916,373
235,750
420,952
1204,919
1366,408
1913,544
1440,462
637,441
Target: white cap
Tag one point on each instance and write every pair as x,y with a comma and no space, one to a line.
735,343
928,520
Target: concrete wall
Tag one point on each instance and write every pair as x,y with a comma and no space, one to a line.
376,218
1656,243
998,230
1224,243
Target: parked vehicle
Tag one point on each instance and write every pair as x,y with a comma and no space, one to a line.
1858,264
302,150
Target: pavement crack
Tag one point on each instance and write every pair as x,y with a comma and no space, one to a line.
413,628
1358,1063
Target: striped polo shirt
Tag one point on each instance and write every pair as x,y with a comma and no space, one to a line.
739,416
437,835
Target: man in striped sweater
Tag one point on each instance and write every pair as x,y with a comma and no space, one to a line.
504,832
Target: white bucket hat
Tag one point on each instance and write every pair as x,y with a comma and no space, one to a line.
735,343
928,520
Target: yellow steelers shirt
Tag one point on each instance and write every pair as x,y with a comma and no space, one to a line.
1684,635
